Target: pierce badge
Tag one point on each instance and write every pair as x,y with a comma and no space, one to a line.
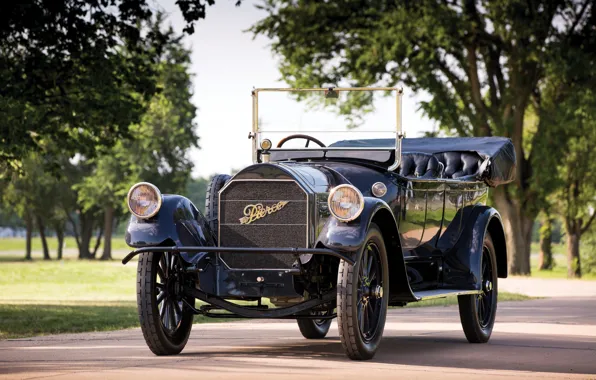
258,211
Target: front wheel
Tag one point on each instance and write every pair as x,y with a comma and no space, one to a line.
477,312
166,319
362,291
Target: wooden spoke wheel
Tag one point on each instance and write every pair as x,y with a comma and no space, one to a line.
166,319
477,312
362,300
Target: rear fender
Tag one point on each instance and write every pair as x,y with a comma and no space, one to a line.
350,237
178,222
462,265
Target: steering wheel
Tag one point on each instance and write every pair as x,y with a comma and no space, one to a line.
299,136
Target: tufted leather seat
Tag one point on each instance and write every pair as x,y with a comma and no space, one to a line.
420,165
460,165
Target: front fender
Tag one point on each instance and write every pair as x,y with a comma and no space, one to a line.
349,237
178,222
463,262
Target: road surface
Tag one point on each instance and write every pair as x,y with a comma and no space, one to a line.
541,339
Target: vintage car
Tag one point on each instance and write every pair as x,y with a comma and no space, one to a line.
317,232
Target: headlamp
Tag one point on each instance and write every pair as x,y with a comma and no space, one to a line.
345,202
144,200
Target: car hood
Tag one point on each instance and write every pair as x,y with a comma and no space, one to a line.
321,177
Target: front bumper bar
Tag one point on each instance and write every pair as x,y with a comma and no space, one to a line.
288,251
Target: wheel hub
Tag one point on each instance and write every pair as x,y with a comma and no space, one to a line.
173,287
488,286
372,292
377,292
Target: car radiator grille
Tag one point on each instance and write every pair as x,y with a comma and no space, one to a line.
285,228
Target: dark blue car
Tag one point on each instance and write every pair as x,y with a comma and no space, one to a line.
343,230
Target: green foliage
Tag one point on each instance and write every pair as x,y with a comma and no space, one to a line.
588,256
158,149
89,190
568,180
35,192
76,74
557,230
483,62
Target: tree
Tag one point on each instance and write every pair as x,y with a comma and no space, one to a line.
31,196
63,82
482,62
158,151
15,197
576,196
545,258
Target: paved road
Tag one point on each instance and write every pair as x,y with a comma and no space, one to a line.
543,287
546,338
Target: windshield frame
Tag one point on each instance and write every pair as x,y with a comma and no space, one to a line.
255,134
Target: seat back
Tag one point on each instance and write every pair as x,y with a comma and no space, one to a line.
419,165
460,165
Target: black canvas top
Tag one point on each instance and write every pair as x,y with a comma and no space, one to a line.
497,152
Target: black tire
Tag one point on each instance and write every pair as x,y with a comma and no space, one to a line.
212,200
160,300
477,312
362,301
314,328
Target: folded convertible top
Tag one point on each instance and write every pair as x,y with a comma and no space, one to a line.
497,153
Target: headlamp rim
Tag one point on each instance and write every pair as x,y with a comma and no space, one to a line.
159,199
361,203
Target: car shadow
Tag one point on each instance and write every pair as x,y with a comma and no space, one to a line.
532,353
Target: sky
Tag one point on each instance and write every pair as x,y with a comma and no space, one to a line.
227,63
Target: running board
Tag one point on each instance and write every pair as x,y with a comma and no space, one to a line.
442,293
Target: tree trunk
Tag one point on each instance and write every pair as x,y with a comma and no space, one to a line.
545,260
86,235
97,242
60,236
44,242
573,260
518,232
29,227
107,240
75,231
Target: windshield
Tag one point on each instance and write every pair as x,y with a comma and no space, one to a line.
328,115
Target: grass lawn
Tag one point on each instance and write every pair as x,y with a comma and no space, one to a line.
12,249
560,269
14,245
41,297
50,297
503,296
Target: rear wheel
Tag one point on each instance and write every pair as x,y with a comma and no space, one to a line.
477,312
314,328
362,291
165,318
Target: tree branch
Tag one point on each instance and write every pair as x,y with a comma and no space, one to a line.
579,17
588,223
484,128
457,86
